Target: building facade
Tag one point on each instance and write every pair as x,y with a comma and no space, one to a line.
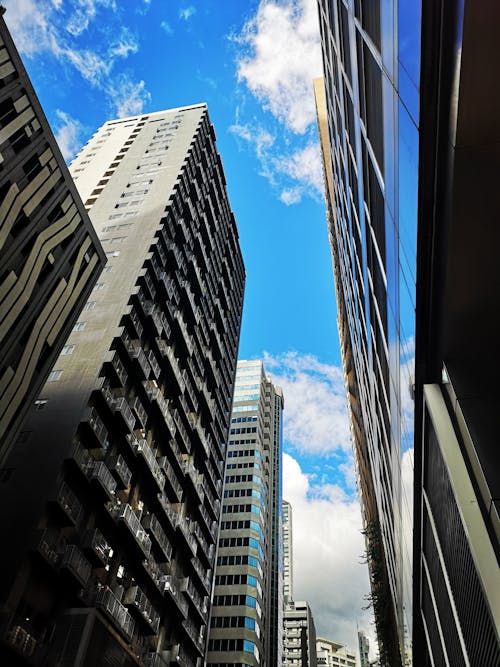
50,257
245,626
332,654
287,552
114,502
371,55
300,635
364,649
410,144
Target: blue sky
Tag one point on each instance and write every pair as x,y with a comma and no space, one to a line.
253,63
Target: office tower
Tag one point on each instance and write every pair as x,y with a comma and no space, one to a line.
287,552
243,611
364,649
50,257
408,138
333,654
113,505
457,475
370,146
300,635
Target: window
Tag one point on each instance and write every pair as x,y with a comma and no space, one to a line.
67,349
40,403
90,305
79,326
54,376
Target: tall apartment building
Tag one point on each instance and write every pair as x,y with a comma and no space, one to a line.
364,649
245,626
114,501
287,552
408,136
333,654
300,635
50,257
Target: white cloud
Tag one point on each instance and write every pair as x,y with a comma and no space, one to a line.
68,134
327,555
129,96
186,13
165,25
305,167
40,29
282,56
315,417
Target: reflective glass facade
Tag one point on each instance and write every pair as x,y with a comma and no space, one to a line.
371,54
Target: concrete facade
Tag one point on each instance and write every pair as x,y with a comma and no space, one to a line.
333,654
300,635
124,501
287,552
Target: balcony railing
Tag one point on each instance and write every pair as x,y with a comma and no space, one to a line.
106,600
185,526
123,512
171,586
142,448
69,503
123,409
174,364
195,478
100,473
120,468
95,427
96,546
205,576
194,634
155,394
118,368
50,545
154,364
23,639
199,602
138,600
152,524
74,561
140,411
156,660
138,354
170,475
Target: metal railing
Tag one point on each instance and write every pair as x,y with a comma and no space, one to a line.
105,599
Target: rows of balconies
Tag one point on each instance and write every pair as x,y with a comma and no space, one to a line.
210,523
17,633
181,429
154,393
155,366
199,602
117,367
99,473
184,525
174,364
195,478
93,427
138,601
122,512
184,330
69,503
151,523
195,634
140,411
136,321
106,600
206,549
124,411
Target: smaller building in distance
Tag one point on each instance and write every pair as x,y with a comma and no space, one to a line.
333,654
300,635
50,257
364,649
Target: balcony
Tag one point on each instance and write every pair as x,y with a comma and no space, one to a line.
97,547
137,601
171,587
154,364
157,660
155,395
194,477
23,639
69,504
137,354
75,562
122,512
140,411
209,522
207,550
120,470
118,369
184,527
195,635
116,612
181,429
174,365
153,313
184,331
136,321
99,473
141,448
171,477
152,524
123,410
204,576
199,602
49,545
94,430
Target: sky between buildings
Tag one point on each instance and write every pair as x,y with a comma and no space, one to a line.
253,63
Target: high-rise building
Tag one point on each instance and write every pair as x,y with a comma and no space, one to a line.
245,625
410,143
113,504
287,552
364,649
50,257
300,635
333,654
